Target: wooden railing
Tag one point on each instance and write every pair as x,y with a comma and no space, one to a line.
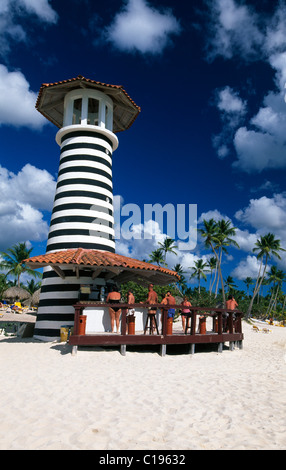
233,326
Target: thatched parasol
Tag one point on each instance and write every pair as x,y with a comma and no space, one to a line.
16,293
35,299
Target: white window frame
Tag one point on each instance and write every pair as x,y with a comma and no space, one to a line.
103,101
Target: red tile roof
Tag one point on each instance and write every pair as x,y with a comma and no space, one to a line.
84,257
52,106
88,80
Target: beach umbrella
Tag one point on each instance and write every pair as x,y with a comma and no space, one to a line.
35,299
16,293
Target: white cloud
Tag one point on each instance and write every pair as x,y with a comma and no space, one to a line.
30,186
15,12
139,240
17,101
271,118
23,197
232,110
41,8
248,267
145,239
245,240
20,224
263,147
267,215
276,30
141,248
257,151
236,30
266,186
212,214
229,101
140,27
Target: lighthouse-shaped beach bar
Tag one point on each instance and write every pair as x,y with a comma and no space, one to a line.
81,264
80,257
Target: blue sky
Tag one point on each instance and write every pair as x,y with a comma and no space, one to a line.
209,77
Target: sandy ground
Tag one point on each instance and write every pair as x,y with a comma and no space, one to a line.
99,399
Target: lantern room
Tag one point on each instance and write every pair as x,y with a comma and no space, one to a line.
88,107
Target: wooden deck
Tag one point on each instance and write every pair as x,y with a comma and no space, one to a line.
219,333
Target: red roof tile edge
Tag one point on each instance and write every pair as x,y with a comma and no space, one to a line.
81,78
81,256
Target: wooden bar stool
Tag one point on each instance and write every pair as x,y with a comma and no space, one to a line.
150,317
188,323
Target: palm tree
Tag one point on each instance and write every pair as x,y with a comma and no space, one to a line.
229,283
3,284
199,271
277,276
272,278
224,231
168,246
157,257
266,246
182,283
212,263
13,261
217,236
248,281
281,278
32,286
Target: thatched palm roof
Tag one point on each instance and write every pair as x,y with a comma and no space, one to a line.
16,293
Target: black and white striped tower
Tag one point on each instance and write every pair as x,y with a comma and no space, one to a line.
88,114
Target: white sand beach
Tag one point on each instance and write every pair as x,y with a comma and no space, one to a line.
99,399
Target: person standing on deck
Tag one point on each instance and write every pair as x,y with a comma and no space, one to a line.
185,313
152,299
171,301
114,312
230,304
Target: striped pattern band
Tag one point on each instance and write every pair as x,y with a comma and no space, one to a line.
57,299
83,206
82,217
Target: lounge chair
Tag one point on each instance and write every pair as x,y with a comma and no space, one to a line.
266,330
255,328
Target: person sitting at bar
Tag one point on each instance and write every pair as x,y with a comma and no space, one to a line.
130,318
152,299
230,304
114,312
131,300
185,312
130,297
171,301
164,302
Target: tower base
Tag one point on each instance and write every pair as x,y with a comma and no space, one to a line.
58,297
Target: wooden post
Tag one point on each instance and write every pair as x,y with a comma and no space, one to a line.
214,320
164,321
219,323
78,309
123,321
163,349
193,322
123,349
238,323
230,322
